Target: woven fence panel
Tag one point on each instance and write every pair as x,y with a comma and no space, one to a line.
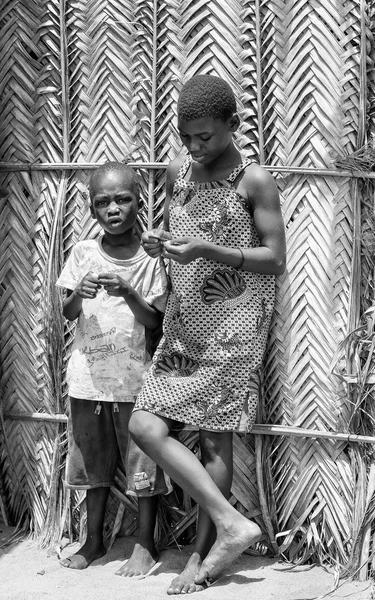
85,82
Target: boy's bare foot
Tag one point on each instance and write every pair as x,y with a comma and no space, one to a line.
230,543
83,558
184,583
140,562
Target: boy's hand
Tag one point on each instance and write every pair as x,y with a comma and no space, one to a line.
115,285
88,287
152,241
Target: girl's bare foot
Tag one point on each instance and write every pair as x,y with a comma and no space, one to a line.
230,543
184,583
84,557
140,562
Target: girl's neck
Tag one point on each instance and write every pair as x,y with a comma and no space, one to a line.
123,246
219,169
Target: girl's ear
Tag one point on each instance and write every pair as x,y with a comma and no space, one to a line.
92,212
234,122
140,204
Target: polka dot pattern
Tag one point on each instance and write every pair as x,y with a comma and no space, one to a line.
205,372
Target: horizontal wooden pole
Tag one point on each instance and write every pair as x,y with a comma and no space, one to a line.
12,167
35,416
289,431
259,429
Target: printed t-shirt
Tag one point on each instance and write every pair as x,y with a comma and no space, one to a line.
109,358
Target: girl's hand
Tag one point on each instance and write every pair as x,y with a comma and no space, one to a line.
115,285
152,241
184,250
88,287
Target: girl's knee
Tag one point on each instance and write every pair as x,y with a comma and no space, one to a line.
146,427
135,426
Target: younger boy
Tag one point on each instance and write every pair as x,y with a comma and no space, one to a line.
117,292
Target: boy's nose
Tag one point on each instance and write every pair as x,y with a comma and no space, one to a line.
113,207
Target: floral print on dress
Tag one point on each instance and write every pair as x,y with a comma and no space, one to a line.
223,285
175,365
220,396
216,225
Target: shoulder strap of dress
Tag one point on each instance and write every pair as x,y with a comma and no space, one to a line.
235,173
184,168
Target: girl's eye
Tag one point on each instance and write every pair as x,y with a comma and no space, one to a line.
205,139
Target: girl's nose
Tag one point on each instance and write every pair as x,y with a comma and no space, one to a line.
194,145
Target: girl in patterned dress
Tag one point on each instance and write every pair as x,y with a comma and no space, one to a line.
224,235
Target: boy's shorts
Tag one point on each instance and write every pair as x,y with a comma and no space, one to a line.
97,441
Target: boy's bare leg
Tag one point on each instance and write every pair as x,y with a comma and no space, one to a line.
144,555
93,548
217,458
234,533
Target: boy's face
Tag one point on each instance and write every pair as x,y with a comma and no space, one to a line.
206,138
114,202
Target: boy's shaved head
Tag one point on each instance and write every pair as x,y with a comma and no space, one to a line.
120,167
206,96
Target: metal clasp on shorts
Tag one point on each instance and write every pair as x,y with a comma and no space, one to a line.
115,407
98,408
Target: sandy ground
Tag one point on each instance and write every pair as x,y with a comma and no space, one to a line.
30,573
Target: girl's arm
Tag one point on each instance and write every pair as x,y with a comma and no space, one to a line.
259,188
153,245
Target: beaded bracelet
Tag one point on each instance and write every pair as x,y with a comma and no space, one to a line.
242,259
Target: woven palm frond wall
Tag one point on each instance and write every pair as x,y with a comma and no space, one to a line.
88,81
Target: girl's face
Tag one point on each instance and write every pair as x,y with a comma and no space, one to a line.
206,138
114,202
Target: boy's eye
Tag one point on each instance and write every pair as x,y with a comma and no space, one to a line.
204,138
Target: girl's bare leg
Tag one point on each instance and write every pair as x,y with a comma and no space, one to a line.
217,459
144,555
234,533
93,548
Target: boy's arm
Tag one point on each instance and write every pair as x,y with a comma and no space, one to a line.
87,288
115,285
72,305
143,312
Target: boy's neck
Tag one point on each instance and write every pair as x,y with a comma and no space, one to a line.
122,246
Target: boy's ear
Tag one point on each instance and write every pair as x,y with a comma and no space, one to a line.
92,212
234,122
140,204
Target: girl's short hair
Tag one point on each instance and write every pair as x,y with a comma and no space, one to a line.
206,96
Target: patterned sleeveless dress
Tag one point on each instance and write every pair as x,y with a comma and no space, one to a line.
206,370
